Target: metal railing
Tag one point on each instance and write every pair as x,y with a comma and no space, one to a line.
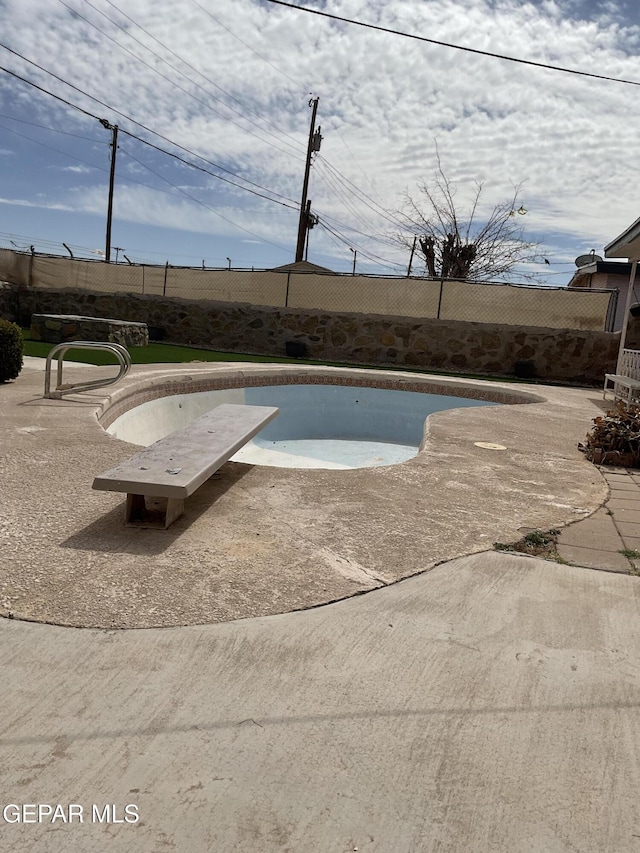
120,352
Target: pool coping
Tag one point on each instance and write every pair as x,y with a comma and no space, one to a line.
122,398
259,541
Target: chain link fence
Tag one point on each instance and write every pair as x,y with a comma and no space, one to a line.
500,303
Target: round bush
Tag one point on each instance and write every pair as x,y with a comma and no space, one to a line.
11,349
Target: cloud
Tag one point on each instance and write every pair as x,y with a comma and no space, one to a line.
148,206
79,170
384,100
20,202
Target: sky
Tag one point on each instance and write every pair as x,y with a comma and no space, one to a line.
226,86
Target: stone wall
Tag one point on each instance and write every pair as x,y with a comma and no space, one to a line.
444,345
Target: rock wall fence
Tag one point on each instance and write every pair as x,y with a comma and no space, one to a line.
563,355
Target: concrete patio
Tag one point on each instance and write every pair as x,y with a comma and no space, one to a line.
486,702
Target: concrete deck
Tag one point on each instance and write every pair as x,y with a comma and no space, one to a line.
490,704
256,541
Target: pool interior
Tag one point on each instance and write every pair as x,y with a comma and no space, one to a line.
319,426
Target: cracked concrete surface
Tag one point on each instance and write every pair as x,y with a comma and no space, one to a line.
490,704
256,541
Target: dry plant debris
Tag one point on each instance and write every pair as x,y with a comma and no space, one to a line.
615,437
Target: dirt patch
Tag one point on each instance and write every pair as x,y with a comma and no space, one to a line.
537,543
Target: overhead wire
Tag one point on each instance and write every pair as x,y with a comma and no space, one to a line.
327,178
350,227
127,117
55,129
51,148
202,203
365,252
77,159
253,50
324,14
141,183
378,209
373,205
345,199
206,171
351,154
200,73
477,51
338,244
139,124
41,240
173,67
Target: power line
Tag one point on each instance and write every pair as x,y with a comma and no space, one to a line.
202,203
355,160
132,180
166,62
377,258
124,115
193,68
139,124
51,148
235,36
206,171
376,208
348,199
41,240
55,130
345,199
103,169
478,52
45,91
351,228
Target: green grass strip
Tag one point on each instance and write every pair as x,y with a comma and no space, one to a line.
154,353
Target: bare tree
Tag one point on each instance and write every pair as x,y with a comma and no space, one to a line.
464,245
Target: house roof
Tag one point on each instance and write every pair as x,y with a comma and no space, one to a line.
626,245
608,267
301,266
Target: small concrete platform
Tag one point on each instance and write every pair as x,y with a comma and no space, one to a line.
63,328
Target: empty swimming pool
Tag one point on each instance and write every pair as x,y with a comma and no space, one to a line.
319,426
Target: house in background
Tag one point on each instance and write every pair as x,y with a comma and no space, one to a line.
597,274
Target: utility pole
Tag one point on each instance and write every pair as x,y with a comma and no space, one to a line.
413,249
315,138
112,174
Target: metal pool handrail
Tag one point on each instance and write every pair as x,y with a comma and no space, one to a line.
120,352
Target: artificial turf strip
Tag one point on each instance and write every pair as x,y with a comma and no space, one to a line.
151,354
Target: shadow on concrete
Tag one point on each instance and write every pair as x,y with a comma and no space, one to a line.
109,534
455,712
65,402
603,405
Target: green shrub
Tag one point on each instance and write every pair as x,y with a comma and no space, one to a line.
11,348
